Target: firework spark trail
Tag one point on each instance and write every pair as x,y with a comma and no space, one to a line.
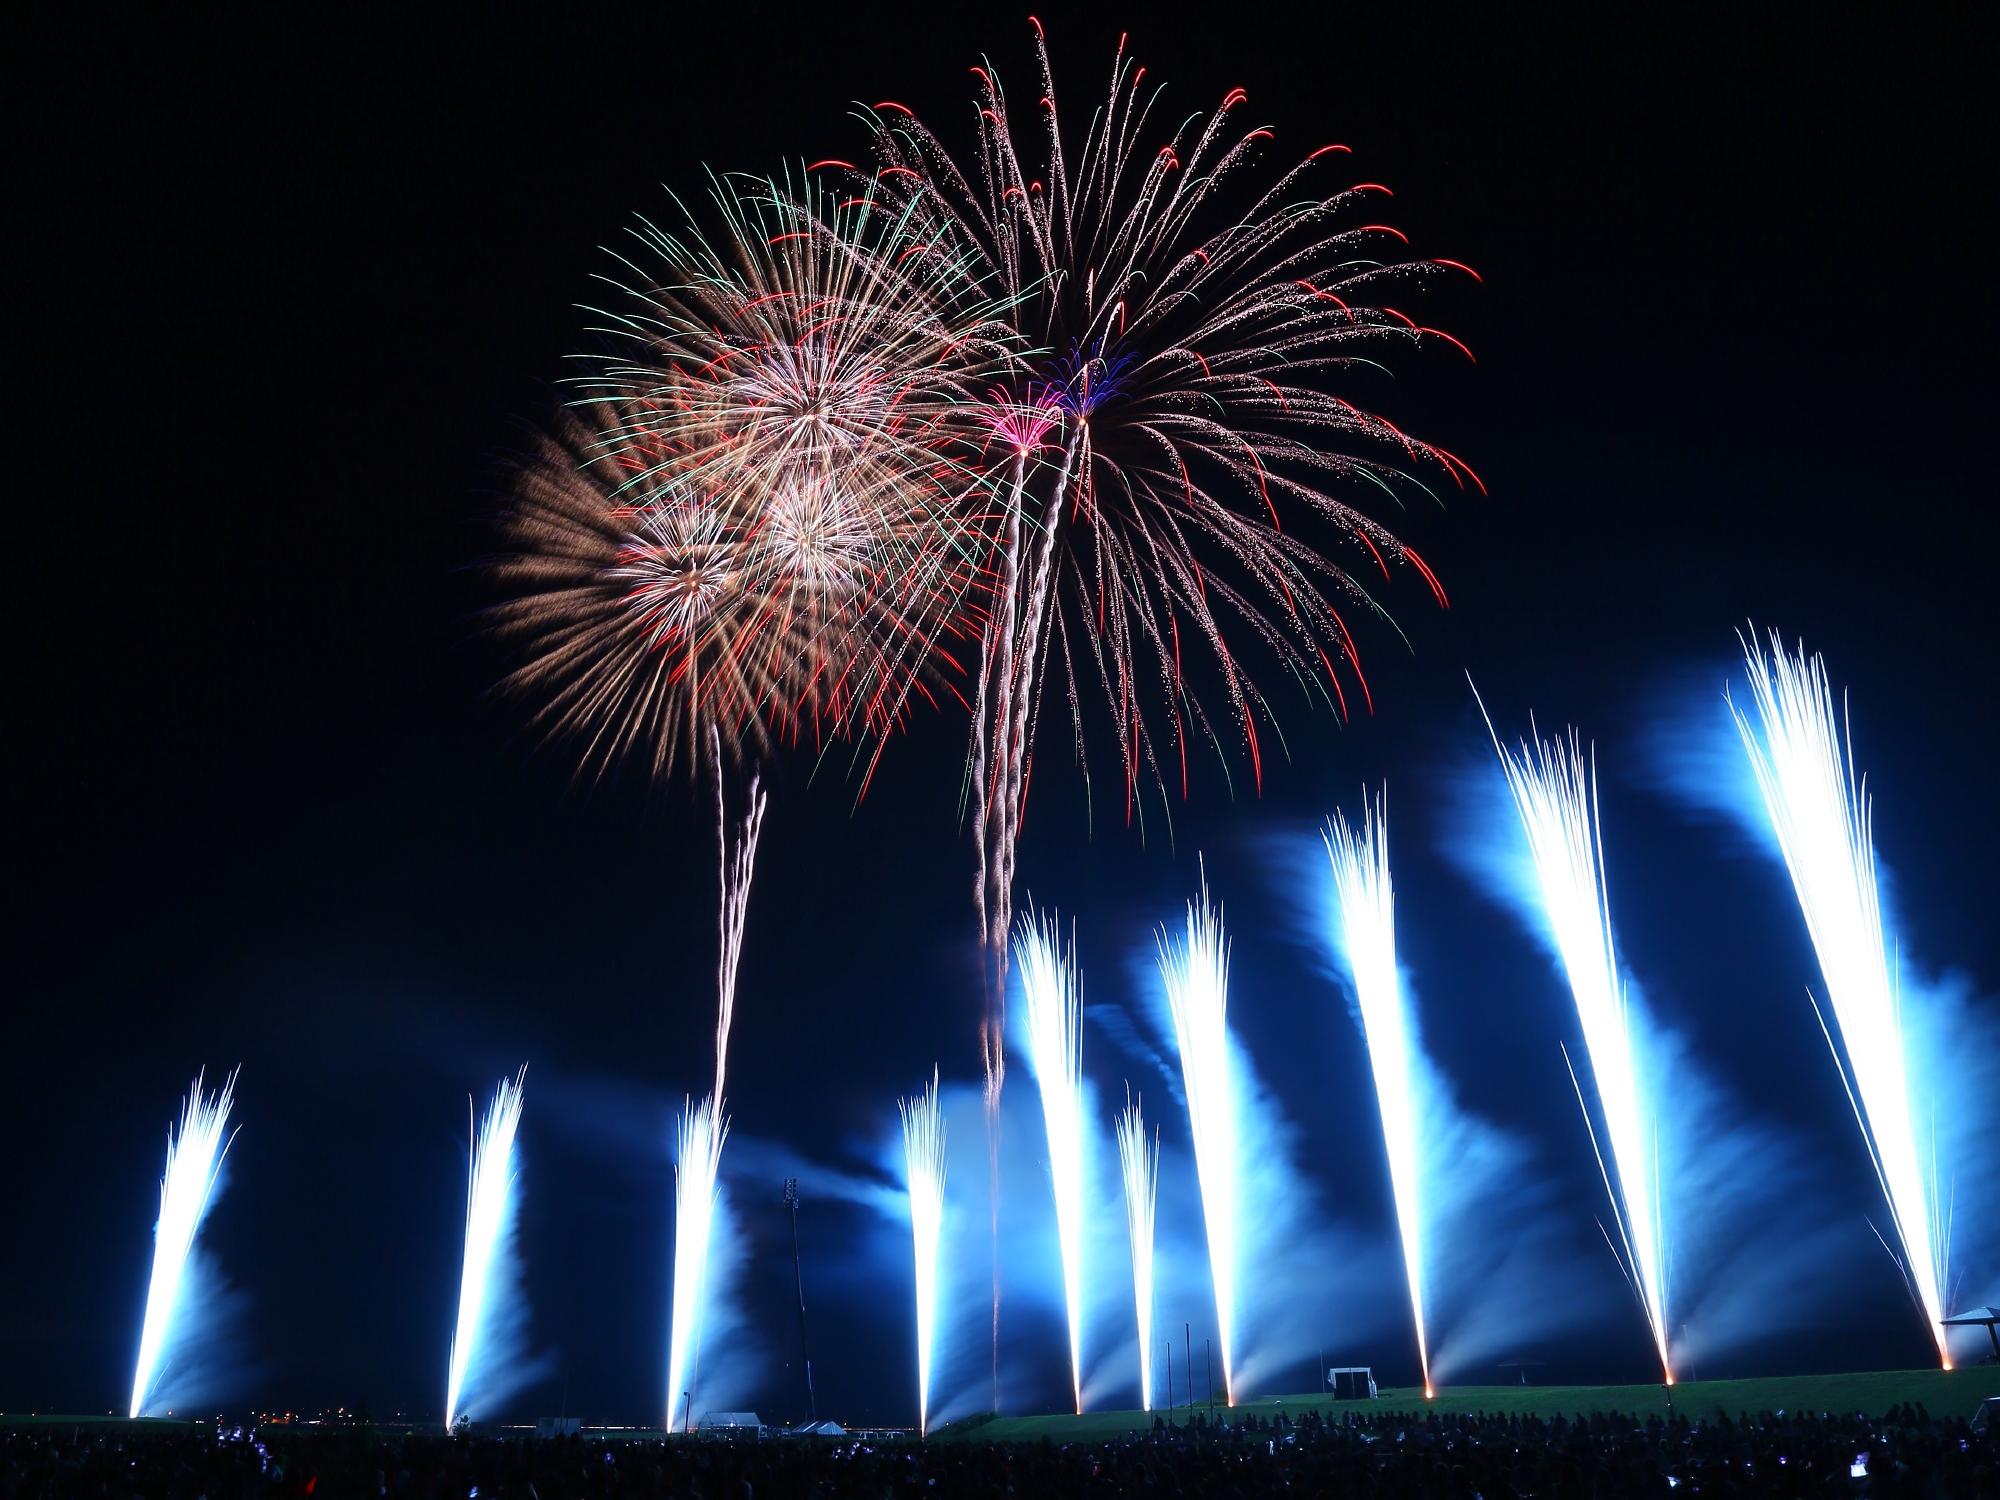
738,865
705,1126
194,1164
1555,792
923,1161
1139,1160
1368,939
1054,1007
489,1228
1820,810
1196,974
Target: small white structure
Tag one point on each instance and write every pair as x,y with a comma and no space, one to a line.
731,1423
1352,1382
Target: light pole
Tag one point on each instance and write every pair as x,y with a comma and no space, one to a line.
799,1276
1187,1347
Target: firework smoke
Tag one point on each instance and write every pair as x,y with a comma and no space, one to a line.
1555,792
923,1163
194,1166
1055,1023
1196,973
1139,1160
489,1232
1820,810
1368,939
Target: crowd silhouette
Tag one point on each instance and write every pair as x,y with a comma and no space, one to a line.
1493,1457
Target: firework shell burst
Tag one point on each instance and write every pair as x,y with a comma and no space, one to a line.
1170,425
762,516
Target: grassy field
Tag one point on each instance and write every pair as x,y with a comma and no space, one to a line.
1955,1394
11,1420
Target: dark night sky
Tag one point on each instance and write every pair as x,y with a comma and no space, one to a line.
295,295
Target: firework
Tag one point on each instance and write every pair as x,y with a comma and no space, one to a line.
923,1160
1055,1023
1139,1159
704,1126
1164,453
697,1163
1368,939
760,518
1196,973
194,1166
489,1233
1555,792
1820,810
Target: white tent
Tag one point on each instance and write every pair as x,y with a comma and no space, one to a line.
731,1421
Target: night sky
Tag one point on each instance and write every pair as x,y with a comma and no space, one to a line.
296,297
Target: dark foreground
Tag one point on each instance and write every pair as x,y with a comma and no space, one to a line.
1906,1453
